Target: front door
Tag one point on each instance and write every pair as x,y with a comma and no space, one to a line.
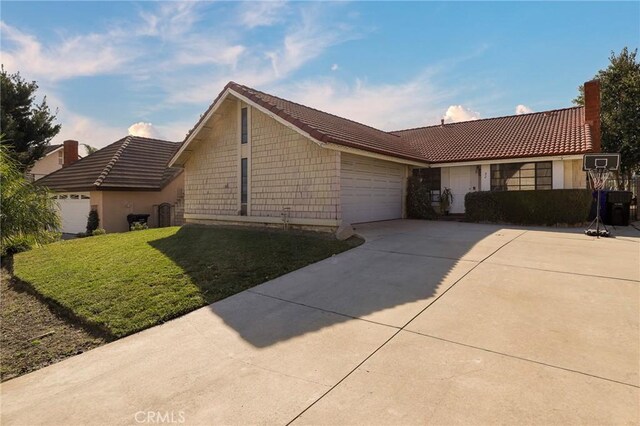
460,180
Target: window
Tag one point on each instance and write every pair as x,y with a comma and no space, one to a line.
243,187
244,134
60,157
521,176
431,178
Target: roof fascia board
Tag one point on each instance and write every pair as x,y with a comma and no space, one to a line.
363,153
197,130
509,160
55,150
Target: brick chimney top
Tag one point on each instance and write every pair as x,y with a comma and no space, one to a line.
70,153
592,112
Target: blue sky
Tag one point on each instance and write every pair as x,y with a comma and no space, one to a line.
156,66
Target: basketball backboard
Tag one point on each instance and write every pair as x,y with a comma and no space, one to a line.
601,160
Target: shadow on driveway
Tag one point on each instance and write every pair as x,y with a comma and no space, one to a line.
388,280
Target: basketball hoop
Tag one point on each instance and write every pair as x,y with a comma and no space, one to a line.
599,167
599,177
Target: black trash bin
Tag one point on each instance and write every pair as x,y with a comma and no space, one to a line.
618,208
137,218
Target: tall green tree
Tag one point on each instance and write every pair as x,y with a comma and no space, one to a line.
27,212
27,125
620,109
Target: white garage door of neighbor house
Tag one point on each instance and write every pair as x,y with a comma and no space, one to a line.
74,209
370,189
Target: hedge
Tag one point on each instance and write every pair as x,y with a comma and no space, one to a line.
542,207
419,200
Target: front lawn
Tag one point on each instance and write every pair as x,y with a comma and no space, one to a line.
123,283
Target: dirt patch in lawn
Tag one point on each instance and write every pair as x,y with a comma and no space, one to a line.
32,334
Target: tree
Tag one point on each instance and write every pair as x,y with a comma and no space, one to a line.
27,126
620,109
90,149
28,216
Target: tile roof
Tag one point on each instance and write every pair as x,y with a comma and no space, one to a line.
132,163
557,132
323,126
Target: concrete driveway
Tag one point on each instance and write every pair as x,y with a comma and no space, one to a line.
427,322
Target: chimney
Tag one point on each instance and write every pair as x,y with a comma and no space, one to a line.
70,153
592,112
442,122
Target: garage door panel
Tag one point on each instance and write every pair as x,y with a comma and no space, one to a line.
73,209
371,189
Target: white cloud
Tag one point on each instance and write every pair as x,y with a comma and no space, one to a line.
309,37
86,130
198,51
143,129
334,67
85,55
411,103
264,13
523,109
456,113
169,20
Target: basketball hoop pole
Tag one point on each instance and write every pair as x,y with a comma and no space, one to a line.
599,177
598,215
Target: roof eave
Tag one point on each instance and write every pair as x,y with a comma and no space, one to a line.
503,159
181,155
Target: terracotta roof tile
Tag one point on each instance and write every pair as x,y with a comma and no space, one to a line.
557,132
323,126
131,163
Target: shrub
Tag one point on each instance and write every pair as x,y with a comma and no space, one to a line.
543,207
419,200
139,226
93,222
24,242
99,231
28,214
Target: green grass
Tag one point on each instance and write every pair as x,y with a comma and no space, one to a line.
123,283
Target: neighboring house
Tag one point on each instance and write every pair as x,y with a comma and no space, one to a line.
55,157
257,158
129,176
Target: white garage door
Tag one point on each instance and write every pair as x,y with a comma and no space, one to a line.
370,189
74,209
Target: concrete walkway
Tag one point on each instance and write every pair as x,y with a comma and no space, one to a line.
427,322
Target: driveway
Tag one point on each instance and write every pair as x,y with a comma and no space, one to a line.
427,322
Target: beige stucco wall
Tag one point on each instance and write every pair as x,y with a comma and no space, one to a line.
286,170
46,165
574,176
114,206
